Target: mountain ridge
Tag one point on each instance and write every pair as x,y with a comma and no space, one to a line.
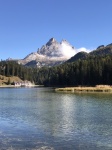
55,53
50,54
100,51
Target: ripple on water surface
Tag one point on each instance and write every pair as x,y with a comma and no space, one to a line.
38,118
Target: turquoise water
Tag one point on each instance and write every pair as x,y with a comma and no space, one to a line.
40,119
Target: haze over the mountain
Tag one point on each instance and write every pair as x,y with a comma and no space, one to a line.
50,54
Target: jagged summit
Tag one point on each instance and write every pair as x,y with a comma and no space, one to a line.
52,53
51,41
50,49
64,41
56,49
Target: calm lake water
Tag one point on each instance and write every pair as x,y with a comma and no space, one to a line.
40,119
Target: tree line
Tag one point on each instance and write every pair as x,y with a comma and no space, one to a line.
85,72
12,68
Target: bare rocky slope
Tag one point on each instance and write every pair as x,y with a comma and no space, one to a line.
55,53
50,54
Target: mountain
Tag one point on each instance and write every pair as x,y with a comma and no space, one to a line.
50,54
100,51
78,56
55,53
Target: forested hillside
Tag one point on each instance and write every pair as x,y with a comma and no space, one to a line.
12,68
86,72
91,71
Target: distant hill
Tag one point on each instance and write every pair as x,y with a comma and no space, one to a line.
79,55
100,51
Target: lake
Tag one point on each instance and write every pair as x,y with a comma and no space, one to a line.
41,119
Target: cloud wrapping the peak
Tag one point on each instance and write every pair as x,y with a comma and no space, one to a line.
68,51
63,49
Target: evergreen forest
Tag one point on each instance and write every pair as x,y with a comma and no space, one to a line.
91,71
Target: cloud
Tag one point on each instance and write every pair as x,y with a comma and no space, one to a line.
68,51
83,49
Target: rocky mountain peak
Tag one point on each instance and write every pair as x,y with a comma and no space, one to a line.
51,41
50,54
65,42
50,49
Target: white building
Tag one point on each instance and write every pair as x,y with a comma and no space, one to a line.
23,84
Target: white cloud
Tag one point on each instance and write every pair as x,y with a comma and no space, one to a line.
68,51
83,49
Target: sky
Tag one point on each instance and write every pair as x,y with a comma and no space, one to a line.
26,25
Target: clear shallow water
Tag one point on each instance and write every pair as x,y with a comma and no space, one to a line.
38,118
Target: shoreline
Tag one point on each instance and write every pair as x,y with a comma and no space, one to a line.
106,89
13,86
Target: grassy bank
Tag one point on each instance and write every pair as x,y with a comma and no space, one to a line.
5,81
98,88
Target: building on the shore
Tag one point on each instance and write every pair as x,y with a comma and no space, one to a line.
23,83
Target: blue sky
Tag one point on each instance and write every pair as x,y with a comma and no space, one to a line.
26,25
